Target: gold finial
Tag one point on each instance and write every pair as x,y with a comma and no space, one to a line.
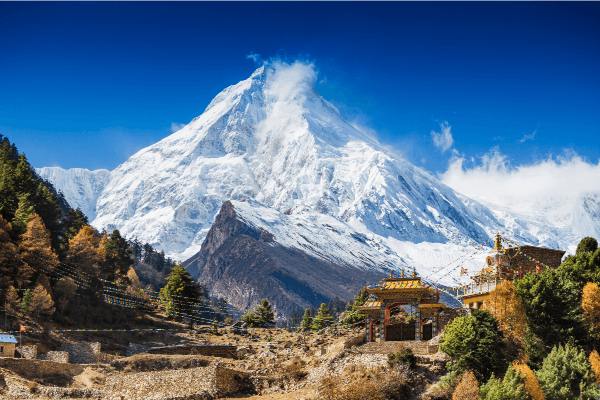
391,274
498,245
414,272
403,273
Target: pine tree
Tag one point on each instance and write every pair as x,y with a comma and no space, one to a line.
46,206
73,222
10,263
567,374
179,290
118,257
322,319
26,301
475,342
41,302
23,214
512,387
467,388
65,290
306,320
590,305
262,317
24,178
35,246
355,316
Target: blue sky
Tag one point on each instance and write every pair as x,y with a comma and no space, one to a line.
89,84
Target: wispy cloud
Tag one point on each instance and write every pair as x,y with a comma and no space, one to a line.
175,126
443,140
254,57
501,138
493,177
528,137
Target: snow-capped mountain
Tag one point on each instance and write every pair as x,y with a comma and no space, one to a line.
273,139
80,186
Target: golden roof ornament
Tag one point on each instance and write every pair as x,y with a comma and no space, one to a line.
403,273
414,273
391,274
498,245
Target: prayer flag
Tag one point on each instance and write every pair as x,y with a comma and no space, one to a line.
23,329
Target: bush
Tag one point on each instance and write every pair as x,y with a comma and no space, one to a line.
512,387
475,343
406,356
468,388
567,374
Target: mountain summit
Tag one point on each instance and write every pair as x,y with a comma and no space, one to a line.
274,140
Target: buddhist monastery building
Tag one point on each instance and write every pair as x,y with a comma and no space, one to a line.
506,263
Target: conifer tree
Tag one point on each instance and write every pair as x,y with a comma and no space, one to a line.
511,387
41,302
355,316
590,305
262,317
306,320
23,214
24,178
180,290
35,246
65,290
26,301
83,251
323,318
12,301
10,263
567,374
8,187
46,206
73,222
117,257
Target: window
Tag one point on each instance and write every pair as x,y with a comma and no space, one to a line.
1,349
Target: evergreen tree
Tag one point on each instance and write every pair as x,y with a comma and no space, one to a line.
306,320
512,387
118,257
10,264
23,214
35,246
8,187
532,386
26,301
323,318
587,245
355,316
24,177
180,290
475,343
46,206
566,374
262,317
72,224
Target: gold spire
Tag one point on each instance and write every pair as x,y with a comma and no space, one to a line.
403,273
391,274
498,245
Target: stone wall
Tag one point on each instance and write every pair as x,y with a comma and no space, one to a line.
354,341
29,352
56,356
31,369
224,351
197,383
8,350
134,349
82,352
549,257
17,390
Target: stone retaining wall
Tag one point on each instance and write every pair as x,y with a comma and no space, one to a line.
224,351
39,369
196,383
354,341
56,356
82,352
29,352
134,349
16,390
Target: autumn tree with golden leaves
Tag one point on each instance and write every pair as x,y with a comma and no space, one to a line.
467,388
35,246
532,386
595,361
85,252
590,304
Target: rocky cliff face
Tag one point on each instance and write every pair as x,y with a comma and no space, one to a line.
245,263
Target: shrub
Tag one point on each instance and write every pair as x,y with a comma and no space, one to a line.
512,387
567,374
468,388
475,343
406,356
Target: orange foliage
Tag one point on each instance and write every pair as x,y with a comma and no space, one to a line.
532,386
84,251
504,304
595,361
590,304
35,245
467,389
